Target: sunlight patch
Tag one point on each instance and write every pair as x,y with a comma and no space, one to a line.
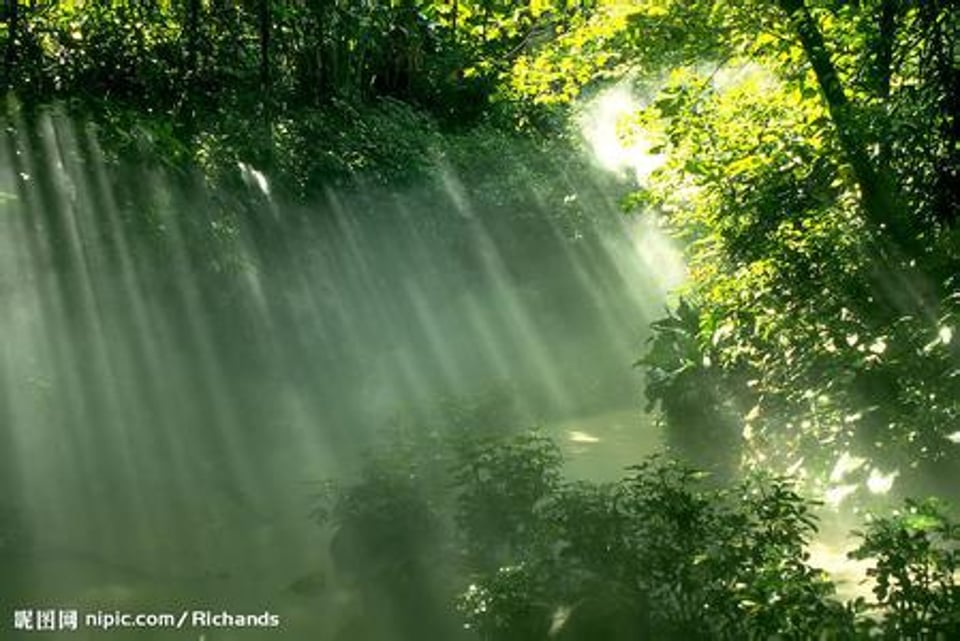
836,495
847,573
946,334
254,178
582,437
797,467
605,123
846,464
659,253
880,483
751,74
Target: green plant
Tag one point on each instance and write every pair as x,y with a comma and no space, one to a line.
917,570
662,553
500,484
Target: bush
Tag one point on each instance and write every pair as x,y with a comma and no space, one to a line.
917,552
665,553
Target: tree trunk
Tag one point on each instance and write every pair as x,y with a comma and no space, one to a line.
13,28
453,21
193,35
266,102
897,245
882,68
265,48
878,200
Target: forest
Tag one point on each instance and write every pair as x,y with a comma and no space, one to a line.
394,320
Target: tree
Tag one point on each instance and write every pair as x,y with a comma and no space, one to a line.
807,171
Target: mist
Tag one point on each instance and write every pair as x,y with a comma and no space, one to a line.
181,363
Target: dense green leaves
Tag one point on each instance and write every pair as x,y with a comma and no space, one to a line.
917,554
810,159
661,553
314,92
809,149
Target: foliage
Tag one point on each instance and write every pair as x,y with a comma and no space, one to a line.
810,162
501,483
810,146
388,526
313,92
387,544
700,422
917,554
661,553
